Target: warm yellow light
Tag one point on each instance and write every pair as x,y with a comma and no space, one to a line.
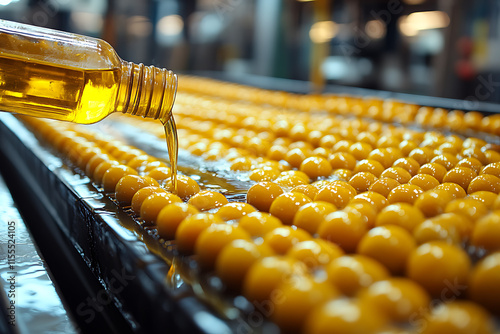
410,25
405,28
428,20
170,25
323,31
375,29
414,2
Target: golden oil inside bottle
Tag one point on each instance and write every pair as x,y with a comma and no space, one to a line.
35,88
48,90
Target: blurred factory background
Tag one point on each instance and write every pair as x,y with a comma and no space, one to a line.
446,48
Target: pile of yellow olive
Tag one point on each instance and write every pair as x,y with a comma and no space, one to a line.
362,215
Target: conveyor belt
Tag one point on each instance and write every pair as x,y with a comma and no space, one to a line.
100,258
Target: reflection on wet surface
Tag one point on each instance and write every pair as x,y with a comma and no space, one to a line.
38,308
215,175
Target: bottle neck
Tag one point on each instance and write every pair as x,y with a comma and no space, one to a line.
146,91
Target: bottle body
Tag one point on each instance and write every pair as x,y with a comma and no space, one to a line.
47,73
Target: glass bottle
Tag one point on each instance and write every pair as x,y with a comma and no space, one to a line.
64,76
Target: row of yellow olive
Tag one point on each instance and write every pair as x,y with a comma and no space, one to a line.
366,224
358,140
215,141
371,107
484,189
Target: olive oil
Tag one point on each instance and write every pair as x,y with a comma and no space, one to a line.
64,76
83,95
69,77
57,92
172,146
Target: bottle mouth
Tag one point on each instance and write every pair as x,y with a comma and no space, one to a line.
170,90
147,91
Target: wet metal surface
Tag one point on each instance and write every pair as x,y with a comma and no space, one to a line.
33,303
